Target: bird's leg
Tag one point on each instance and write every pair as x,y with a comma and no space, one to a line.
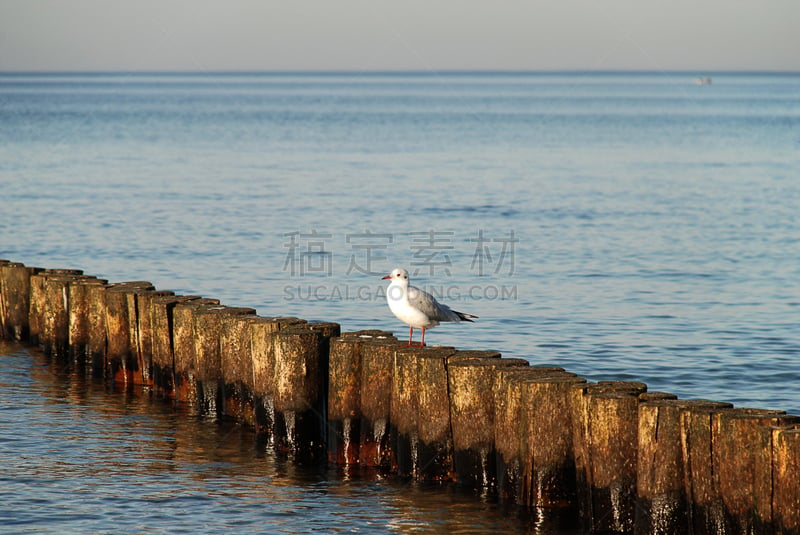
410,335
423,338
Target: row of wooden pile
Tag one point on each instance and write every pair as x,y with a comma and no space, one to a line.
627,460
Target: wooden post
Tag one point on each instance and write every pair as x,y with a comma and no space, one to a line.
146,331
262,351
662,504
37,317
471,386
237,366
507,414
96,352
121,334
581,436
377,364
413,398
403,409
344,399
786,473
766,487
208,326
735,434
605,414
327,330
435,448
207,358
344,395
80,321
55,311
15,298
36,307
547,455
184,342
298,420
3,333
163,363
702,493
580,447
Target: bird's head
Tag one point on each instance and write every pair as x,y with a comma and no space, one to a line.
397,275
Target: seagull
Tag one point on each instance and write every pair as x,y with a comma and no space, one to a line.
417,308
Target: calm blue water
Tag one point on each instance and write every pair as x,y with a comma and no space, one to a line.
627,226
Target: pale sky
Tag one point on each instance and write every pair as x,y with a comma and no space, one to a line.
419,35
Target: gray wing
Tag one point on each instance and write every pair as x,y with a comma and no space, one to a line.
428,305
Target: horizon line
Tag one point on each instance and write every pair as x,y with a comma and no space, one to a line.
431,72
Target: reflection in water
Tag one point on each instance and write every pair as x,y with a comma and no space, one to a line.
78,456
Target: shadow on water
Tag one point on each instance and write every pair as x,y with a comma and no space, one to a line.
81,455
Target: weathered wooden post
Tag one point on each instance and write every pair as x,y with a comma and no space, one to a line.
237,367
765,483
344,400
80,321
786,474
262,350
662,469
96,352
327,330
581,438
735,434
55,311
435,448
147,331
702,493
3,333
299,416
163,343
36,304
605,429
40,327
184,342
121,334
403,410
507,415
472,385
419,392
15,299
547,454
377,364
344,395
208,323
3,262
580,447
207,358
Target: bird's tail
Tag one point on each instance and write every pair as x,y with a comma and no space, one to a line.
465,317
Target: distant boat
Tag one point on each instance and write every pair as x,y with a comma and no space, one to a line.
702,81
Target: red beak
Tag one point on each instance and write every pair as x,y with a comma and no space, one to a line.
386,277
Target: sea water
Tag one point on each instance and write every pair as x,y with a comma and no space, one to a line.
629,226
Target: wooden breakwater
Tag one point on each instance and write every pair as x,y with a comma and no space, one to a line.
625,459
